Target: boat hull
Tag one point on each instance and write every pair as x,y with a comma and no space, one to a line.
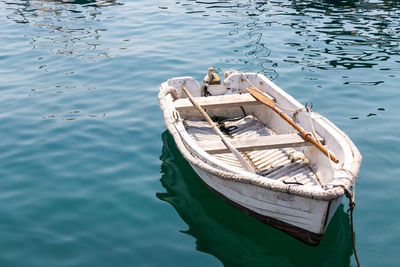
273,195
304,219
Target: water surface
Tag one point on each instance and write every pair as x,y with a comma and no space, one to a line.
89,175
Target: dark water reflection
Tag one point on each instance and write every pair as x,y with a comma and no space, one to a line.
235,238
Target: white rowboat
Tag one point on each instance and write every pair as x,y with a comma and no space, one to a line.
294,186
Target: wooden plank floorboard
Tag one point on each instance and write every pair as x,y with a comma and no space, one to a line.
258,143
271,163
220,101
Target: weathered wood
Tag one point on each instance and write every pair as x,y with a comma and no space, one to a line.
259,143
183,104
225,141
305,210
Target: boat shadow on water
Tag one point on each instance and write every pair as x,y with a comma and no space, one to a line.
234,237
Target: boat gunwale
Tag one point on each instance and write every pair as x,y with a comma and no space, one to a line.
335,191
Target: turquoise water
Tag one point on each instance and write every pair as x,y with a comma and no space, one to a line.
90,177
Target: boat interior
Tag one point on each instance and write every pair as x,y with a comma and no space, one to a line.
270,145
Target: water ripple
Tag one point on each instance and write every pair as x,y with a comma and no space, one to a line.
80,127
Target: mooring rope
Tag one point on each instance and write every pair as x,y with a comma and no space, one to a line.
351,196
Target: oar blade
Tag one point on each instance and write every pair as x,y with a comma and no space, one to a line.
257,94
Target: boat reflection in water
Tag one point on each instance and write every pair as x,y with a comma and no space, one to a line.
234,237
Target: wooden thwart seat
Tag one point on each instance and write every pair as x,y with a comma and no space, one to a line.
217,101
259,143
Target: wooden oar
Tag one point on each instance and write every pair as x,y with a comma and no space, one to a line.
224,140
307,136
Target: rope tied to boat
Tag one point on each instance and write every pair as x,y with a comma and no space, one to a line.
295,112
351,196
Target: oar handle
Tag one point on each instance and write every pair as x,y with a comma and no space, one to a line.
308,137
